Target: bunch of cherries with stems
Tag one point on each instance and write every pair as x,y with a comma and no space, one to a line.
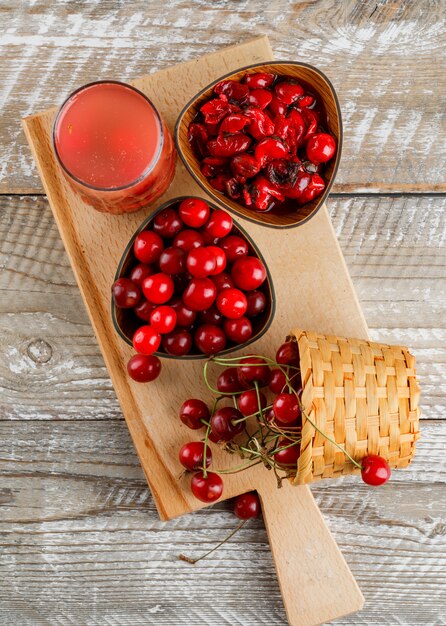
262,141
196,287
259,430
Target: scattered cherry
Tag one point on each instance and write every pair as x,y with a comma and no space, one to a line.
223,423
191,455
228,381
194,412
288,456
247,505
286,407
144,368
253,370
126,293
288,354
277,381
375,470
248,402
207,488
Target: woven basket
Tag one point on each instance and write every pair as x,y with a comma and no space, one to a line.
362,394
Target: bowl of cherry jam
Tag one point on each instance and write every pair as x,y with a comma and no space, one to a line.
264,141
191,283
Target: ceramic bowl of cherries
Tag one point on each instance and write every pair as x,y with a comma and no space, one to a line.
190,284
264,142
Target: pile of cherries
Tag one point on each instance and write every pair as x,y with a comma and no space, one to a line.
259,429
196,287
262,141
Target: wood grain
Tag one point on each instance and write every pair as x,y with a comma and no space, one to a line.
81,540
385,59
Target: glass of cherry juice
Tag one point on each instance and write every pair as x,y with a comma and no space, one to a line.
113,147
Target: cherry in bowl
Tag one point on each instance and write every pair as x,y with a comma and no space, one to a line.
197,278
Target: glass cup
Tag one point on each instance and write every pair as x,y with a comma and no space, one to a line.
114,148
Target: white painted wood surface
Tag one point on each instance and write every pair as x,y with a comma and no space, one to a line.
81,541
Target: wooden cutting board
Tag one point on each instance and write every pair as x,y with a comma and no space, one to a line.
313,291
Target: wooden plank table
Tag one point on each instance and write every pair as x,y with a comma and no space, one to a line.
81,540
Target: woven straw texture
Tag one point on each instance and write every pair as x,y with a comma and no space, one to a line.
362,394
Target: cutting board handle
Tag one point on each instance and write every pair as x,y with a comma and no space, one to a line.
316,582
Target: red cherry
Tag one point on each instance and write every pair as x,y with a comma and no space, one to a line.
192,413
228,381
144,368
167,223
207,489
286,407
277,382
321,147
248,273
158,288
287,457
187,240
219,224
173,261
270,417
211,316
277,107
220,259
256,301
269,149
288,354
288,92
375,470
191,455
194,212
231,303
253,369
163,319
223,424
178,342
260,80
148,246
234,247
247,505
201,262
185,317
144,310
222,281
244,166
260,98
200,294
126,294
146,340
210,339
238,330
248,403
139,272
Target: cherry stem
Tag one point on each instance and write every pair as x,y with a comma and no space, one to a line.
188,559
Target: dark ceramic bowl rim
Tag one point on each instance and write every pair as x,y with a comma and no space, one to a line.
222,201
151,165
191,357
